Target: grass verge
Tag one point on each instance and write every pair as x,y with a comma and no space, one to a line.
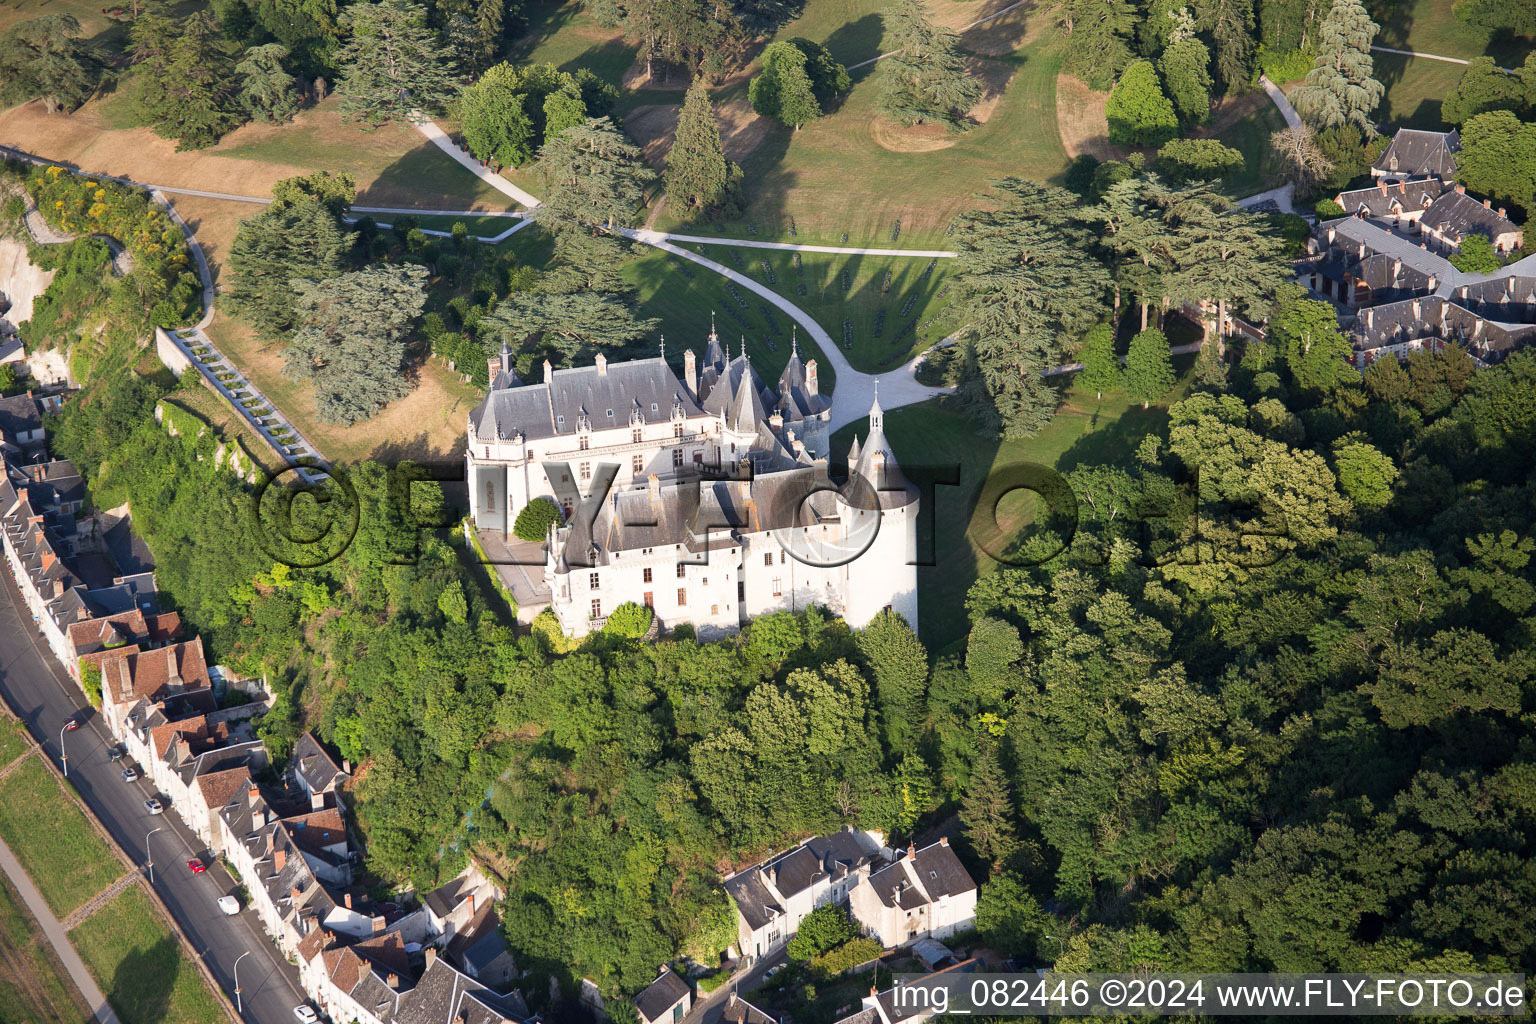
33,984
140,966
66,859
13,742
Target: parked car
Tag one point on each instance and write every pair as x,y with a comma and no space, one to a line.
129,775
306,1013
116,753
154,806
71,724
196,866
229,905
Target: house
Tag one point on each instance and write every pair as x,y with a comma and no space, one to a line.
772,898
1399,205
914,1003
171,678
738,1011
713,498
314,771
1455,215
925,894
94,640
1419,154
452,906
481,952
665,1000
21,422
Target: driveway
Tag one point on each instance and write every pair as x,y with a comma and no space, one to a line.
42,697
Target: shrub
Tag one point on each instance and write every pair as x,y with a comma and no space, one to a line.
711,982
1327,209
846,957
534,521
823,928
90,681
629,620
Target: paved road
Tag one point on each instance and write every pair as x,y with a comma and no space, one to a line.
57,937
710,1008
1292,119
1416,53
43,696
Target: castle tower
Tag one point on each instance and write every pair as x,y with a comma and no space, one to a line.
879,497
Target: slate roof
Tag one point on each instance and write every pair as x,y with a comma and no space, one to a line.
19,414
922,877
479,944
660,995
1419,154
606,396
56,482
1382,202
1456,214
312,763
444,995
445,899
831,856
738,1011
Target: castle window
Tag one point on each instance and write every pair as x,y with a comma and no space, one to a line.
647,574
714,609
653,407
778,587
768,558
741,591
584,442
592,580
677,430
597,608
635,435
586,471
682,597
682,570
677,458
781,556
638,463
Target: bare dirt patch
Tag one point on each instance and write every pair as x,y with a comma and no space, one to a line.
927,138
1080,120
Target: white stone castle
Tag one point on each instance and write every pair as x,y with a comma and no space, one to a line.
706,499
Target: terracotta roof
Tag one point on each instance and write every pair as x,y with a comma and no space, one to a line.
220,788
148,674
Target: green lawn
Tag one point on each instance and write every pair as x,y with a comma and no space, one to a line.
33,985
140,966
1084,431
12,741
1249,135
1431,26
51,837
562,33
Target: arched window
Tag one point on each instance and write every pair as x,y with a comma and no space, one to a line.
490,496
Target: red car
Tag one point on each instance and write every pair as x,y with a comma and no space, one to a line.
197,867
70,725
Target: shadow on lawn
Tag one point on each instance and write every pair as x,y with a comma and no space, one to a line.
142,986
855,42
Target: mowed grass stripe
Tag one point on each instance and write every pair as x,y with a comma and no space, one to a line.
66,859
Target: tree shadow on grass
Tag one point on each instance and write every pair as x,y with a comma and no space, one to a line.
856,42
142,985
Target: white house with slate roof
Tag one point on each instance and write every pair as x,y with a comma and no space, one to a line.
773,897
705,498
926,894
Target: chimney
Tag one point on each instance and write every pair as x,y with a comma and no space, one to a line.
873,991
602,365
347,899
280,859
810,378
1383,188
943,840
393,981
1503,214
911,849
1402,187
492,367
294,894
431,956
252,794
548,372
1416,309
691,373
653,484
317,801
1487,204
470,901
1461,189
378,924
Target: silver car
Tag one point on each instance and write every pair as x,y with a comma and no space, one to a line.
154,806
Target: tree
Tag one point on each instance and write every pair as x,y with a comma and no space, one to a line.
1340,87
829,79
1306,331
7,378
563,109
822,929
266,90
1222,252
1030,286
570,323
1288,26
44,59
297,239
1097,32
1138,112
183,80
1366,475
1476,256
334,190
1148,367
699,177
677,32
1484,86
535,518
1186,69
393,66
1514,16
925,79
1298,147
629,620
1230,23
594,176
1498,157
987,809
783,89
493,119
350,341
1101,367
900,666
1198,160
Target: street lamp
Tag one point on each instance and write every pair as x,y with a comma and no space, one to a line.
63,755
239,1004
149,857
